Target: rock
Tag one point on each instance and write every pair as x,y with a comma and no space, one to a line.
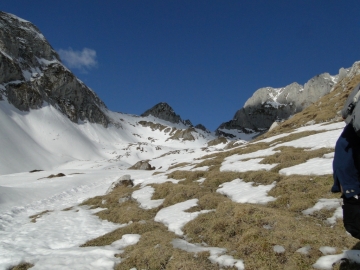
202,127
219,140
184,134
31,75
142,165
268,104
274,125
188,123
163,111
124,180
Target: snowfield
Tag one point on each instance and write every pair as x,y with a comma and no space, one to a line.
91,159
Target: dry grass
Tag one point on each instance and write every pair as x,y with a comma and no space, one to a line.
296,193
124,212
248,231
21,266
217,141
178,165
36,216
53,176
291,156
155,251
294,136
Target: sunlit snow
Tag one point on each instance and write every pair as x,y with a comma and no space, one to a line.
92,157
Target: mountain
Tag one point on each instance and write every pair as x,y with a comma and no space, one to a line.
244,205
269,105
52,118
205,203
32,75
163,111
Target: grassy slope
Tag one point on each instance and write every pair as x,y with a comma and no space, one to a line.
247,231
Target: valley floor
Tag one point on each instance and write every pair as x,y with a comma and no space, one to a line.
43,223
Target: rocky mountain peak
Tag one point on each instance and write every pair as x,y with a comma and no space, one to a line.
268,105
31,73
164,111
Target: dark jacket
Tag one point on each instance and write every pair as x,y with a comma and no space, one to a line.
346,163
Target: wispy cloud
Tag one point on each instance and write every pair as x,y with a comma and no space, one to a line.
83,60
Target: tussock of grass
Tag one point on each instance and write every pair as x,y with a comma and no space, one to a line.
217,141
177,193
53,176
291,156
36,216
156,173
154,250
120,212
189,176
249,232
295,136
21,266
210,162
297,193
182,164
260,177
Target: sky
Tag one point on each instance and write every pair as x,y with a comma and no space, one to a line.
204,58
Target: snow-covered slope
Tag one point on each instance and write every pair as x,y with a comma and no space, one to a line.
88,156
45,139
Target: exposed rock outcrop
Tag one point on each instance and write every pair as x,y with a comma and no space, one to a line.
31,74
142,165
268,104
124,180
164,111
202,127
185,134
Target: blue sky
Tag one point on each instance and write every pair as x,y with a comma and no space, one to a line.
204,58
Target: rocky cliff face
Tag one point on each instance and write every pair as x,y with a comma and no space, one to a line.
31,74
163,111
268,104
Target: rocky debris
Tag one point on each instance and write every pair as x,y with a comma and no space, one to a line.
219,140
202,127
124,180
31,75
188,123
142,165
54,176
268,104
185,135
153,126
163,111
33,171
274,125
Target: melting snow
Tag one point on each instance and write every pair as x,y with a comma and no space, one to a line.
242,192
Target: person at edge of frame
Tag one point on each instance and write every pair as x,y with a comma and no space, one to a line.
346,170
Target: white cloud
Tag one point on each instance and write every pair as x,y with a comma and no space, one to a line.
82,60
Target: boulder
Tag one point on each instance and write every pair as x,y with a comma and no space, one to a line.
124,180
142,165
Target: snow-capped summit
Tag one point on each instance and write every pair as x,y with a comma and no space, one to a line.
268,105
